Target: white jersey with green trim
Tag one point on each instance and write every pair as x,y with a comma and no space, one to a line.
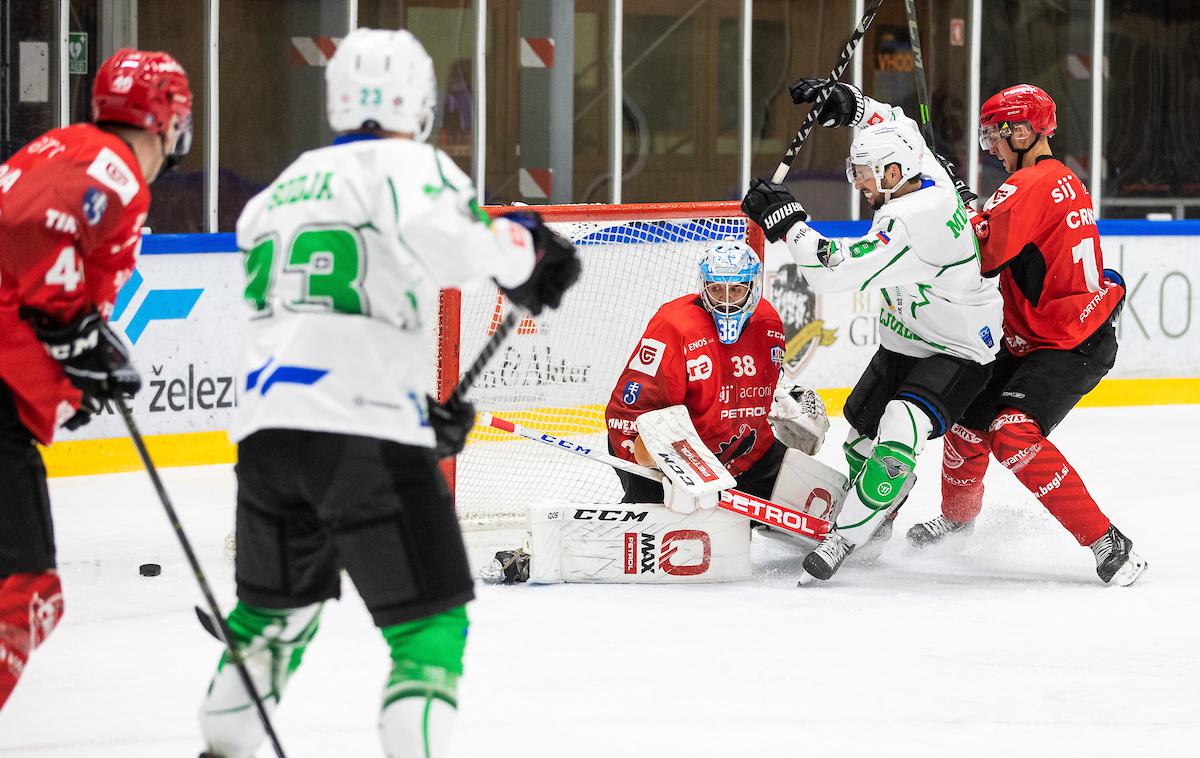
921,254
344,255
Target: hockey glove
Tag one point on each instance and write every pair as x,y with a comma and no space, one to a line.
960,186
799,418
845,105
772,207
92,356
452,421
555,266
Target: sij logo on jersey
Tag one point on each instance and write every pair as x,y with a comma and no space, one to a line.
630,394
95,202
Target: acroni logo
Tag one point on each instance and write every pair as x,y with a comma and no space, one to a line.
157,305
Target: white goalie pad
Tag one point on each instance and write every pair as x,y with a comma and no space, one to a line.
636,544
672,440
805,483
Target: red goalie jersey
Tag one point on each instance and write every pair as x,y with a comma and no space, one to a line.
72,204
1039,231
727,388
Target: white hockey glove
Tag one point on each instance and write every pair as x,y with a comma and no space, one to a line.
693,475
798,418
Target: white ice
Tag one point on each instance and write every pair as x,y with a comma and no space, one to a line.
1010,647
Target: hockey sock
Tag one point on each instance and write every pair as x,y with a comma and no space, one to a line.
30,607
272,644
964,461
887,473
421,695
1018,443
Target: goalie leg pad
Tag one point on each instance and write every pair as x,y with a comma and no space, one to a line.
272,644
804,482
632,543
421,696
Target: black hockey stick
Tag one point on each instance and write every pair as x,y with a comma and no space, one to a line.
810,120
914,36
225,636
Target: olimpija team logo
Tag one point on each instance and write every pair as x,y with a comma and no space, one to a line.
799,309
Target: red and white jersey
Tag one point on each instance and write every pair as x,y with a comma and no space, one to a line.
1039,232
726,388
72,205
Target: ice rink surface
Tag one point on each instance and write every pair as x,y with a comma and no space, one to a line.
1007,647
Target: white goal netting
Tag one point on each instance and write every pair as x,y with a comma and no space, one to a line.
555,372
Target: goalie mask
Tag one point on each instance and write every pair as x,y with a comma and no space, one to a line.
381,80
730,287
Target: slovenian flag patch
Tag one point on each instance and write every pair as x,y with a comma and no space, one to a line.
883,237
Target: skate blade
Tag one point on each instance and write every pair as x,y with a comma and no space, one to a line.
807,579
1130,570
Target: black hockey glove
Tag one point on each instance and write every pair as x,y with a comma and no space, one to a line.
960,186
91,355
555,266
772,207
844,106
452,422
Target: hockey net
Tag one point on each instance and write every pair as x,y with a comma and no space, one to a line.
555,372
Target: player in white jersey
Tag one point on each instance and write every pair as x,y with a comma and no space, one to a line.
337,467
939,320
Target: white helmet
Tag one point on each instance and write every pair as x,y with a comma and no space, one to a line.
381,79
878,146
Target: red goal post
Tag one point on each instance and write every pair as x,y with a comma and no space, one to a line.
555,372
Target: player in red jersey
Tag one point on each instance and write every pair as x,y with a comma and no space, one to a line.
1038,233
718,354
72,204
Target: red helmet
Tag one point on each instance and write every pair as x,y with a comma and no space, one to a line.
1023,102
142,89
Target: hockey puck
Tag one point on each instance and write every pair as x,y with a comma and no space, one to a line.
149,569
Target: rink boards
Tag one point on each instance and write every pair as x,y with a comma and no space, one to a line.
183,315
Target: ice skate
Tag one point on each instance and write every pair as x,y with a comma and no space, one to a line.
823,562
935,530
1116,563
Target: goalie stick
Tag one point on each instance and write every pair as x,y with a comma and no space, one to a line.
810,120
217,619
782,517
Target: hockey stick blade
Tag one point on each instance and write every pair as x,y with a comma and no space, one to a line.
810,120
206,621
782,517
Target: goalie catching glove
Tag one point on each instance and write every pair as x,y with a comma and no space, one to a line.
693,477
798,418
555,266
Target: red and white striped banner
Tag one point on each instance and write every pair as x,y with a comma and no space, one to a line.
535,182
537,52
313,51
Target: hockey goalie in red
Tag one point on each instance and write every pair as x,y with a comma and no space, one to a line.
717,353
72,205
1038,233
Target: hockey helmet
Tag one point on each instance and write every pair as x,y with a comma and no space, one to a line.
1021,103
730,287
144,89
877,147
381,79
